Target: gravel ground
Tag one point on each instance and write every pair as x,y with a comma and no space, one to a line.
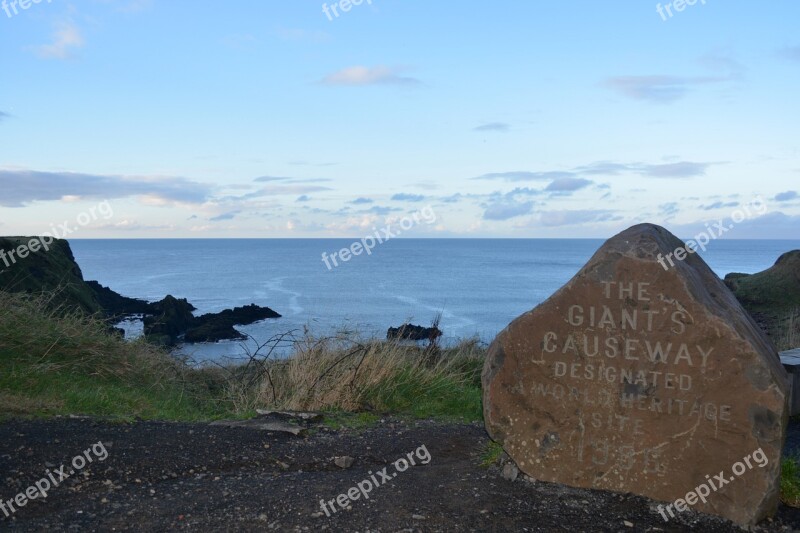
165,476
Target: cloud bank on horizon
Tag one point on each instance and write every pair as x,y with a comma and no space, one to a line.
512,120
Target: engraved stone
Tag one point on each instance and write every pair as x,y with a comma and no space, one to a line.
646,376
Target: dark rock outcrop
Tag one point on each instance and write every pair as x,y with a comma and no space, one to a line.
173,317
219,326
54,271
413,333
116,305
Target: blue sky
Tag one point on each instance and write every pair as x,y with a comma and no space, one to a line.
507,118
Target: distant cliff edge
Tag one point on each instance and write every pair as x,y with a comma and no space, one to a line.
33,265
772,297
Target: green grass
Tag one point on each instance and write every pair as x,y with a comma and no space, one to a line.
492,453
28,389
342,419
790,481
57,361
443,397
453,395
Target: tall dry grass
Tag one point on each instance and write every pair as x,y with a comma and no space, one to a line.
789,336
56,338
64,361
347,373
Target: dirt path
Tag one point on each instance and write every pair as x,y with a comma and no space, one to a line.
165,476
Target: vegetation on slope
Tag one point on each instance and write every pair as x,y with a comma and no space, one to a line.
53,271
772,297
57,360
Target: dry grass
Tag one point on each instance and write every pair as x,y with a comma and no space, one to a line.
350,374
57,339
54,360
789,336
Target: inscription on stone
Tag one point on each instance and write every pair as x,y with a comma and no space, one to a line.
637,379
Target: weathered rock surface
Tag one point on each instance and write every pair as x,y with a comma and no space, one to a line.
413,332
638,379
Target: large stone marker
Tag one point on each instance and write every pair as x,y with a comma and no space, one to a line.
642,376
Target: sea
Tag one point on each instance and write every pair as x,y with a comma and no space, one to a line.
477,285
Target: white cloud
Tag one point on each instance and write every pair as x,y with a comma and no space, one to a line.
66,37
658,89
359,75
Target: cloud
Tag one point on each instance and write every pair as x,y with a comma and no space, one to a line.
361,201
225,216
271,178
669,209
791,53
786,196
493,126
682,169
263,179
132,225
303,198
380,210
277,190
360,76
306,163
22,187
506,209
568,184
521,175
296,34
453,198
66,37
405,197
775,225
723,60
4,116
718,205
578,216
679,169
658,89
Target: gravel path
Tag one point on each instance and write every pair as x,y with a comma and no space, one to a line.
166,476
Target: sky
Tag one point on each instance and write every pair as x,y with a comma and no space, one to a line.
267,119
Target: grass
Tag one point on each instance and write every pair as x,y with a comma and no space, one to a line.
788,336
344,373
59,361
54,360
339,420
492,453
790,481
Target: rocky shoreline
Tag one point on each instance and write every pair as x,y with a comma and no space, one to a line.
166,322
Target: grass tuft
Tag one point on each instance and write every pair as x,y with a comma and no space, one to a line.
345,373
790,481
492,454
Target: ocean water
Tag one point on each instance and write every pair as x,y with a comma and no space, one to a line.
478,285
